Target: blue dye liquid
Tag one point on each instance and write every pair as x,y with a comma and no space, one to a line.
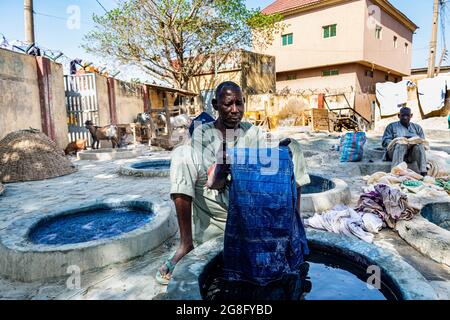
88,226
337,280
330,277
152,165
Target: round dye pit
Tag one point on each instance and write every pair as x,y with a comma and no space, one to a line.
43,246
330,277
318,185
323,194
88,226
338,269
148,168
429,231
438,213
110,154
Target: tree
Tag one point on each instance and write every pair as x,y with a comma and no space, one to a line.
172,40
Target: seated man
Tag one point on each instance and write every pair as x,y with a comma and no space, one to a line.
205,208
399,153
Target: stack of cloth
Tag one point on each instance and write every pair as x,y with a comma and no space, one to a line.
344,220
408,181
408,141
381,207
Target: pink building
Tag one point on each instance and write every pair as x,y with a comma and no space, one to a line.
341,47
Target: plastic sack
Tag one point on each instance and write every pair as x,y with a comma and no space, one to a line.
352,146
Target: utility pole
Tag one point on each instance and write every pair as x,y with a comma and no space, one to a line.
433,43
29,21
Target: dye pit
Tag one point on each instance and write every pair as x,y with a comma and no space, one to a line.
318,185
88,226
437,213
330,277
152,165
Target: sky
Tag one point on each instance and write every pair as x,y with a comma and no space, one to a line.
52,31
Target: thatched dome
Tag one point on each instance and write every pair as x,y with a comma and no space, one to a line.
29,155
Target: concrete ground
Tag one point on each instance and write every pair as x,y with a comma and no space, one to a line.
135,279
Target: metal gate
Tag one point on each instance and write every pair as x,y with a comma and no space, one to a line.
81,105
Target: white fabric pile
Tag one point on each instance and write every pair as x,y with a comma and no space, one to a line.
344,220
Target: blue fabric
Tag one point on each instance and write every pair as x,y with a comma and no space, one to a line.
352,146
264,236
203,117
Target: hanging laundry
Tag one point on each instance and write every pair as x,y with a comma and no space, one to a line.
390,204
74,66
432,93
392,96
343,220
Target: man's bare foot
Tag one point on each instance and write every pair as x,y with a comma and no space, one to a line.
179,254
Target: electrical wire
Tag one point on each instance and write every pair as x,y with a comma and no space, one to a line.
98,1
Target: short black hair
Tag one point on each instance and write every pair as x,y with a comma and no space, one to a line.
226,85
405,109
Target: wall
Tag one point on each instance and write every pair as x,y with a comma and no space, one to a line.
382,51
104,117
129,101
258,73
310,49
20,101
19,98
211,81
312,79
59,105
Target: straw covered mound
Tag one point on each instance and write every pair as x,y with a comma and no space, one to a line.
28,155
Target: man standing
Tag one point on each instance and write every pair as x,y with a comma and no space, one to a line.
405,152
203,208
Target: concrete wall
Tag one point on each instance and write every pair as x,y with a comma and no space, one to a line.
19,96
59,105
19,93
254,72
312,79
382,51
129,101
310,49
258,73
355,39
103,100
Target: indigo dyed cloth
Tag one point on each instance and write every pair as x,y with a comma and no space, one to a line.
264,235
203,118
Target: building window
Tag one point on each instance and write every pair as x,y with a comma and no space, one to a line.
378,32
291,77
395,42
329,31
395,80
386,77
287,39
406,48
332,72
369,73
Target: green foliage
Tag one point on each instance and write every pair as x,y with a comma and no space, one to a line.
172,40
